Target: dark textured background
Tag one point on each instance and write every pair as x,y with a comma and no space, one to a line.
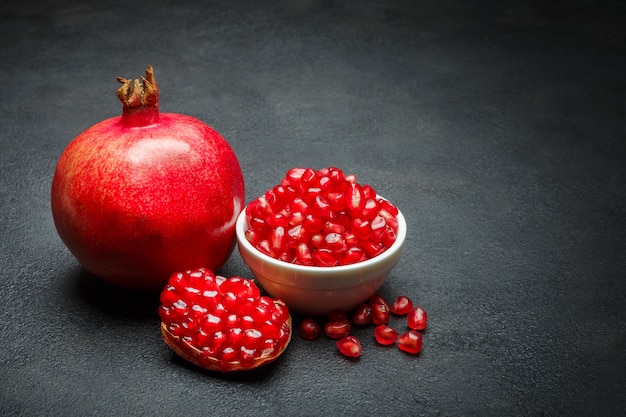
497,127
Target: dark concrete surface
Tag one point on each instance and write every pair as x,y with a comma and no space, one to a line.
497,127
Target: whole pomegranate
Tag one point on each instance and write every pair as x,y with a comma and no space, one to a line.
142,195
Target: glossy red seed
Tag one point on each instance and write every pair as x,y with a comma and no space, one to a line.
370,209
410,342
368,192
309,329
380,309
372,249
303,255
355,201
320,207
417,318
352,256
349,346
325,203
362,315
324,257
312,224
223,318
337,329
388,207
309,178
402,305
380,314
294,176
385,335
377,298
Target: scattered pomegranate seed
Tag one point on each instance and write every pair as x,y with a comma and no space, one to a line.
337,329
321,218
417,318
375,311
380,309
362,315
402,306
350,346
385,335
410,342
309,329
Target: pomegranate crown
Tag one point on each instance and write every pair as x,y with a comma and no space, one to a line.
136,94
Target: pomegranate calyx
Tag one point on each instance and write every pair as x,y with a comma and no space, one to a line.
140,99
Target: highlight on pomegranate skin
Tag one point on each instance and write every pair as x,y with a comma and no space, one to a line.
222,324
321,218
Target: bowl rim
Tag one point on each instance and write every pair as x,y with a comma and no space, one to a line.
240,229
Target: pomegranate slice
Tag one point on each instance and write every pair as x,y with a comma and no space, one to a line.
222,324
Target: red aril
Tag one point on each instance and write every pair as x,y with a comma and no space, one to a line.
380,309
385,335
222,324
340,221
349,346
142,195
362,315
309,329
410,342
417,318
336,329
402,306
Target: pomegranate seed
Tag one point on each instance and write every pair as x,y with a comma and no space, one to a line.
309,329
222,323
362,315
332,211
312,224
377,298
297,205
368,192
380,309
303,255
350,346
402,305
352,256
370,209
410,342
337,329
417,318
294,176
388,207
309,177
385,335
324,257
354,197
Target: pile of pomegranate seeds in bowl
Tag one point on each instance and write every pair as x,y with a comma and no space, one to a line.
321,218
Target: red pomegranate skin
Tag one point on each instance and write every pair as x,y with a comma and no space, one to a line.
136,198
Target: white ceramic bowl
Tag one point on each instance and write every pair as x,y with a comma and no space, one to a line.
314,290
